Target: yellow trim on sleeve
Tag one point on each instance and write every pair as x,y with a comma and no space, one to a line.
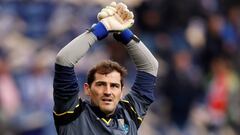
125,101
133,110
67,112
140,118
60,114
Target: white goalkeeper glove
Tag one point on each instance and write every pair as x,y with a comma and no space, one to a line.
116,17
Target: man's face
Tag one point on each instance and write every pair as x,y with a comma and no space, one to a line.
105,91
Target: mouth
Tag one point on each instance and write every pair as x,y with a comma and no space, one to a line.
107,100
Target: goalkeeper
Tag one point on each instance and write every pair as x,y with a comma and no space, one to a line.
106,112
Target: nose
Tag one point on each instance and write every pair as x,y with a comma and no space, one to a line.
107,91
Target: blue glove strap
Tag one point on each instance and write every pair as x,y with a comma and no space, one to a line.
99,30
125,36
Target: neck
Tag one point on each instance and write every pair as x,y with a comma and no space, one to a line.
100,113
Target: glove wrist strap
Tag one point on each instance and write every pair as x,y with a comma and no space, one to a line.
99,30
125,36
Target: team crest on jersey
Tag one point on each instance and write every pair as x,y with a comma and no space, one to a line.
124,127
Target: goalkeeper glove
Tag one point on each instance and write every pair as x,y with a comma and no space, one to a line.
116,17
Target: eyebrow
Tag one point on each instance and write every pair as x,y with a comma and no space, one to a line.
97,82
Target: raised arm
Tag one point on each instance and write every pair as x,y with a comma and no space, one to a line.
141,95
65,82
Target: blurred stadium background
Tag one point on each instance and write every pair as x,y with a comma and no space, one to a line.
197,43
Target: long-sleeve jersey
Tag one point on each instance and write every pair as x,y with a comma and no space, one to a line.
74,116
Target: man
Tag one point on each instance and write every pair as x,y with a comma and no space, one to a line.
107,113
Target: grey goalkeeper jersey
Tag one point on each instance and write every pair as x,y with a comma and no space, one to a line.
73,116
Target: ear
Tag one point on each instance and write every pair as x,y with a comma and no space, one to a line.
86,88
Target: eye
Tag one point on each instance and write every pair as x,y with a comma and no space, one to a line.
115,85
100,84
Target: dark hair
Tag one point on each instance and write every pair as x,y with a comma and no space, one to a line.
106,67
